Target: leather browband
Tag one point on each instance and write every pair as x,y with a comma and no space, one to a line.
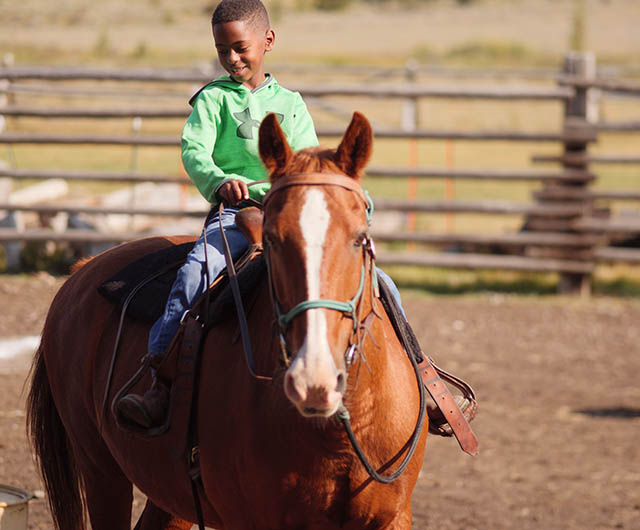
316,179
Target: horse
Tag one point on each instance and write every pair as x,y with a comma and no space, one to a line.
273,452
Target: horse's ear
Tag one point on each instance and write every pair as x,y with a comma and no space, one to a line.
354,151
274,148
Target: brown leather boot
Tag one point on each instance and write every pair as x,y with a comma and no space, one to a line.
149,410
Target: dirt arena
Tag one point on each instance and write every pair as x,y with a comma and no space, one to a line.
559,419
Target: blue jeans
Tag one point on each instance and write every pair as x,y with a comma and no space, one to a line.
191,280
392,287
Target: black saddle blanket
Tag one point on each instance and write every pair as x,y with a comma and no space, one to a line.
158,270
145,283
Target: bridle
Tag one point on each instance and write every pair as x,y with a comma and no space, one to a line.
351,308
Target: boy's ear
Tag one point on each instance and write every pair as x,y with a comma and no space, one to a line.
354,151
269,40
274,148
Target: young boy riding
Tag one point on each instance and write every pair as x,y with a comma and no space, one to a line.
220,155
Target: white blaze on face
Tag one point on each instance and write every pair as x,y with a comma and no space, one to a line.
315,354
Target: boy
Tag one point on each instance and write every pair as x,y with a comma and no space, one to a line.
220,154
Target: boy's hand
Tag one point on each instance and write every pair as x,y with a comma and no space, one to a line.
233,192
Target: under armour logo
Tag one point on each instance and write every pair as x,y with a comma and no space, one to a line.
247,123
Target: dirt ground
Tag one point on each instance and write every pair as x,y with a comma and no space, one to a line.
559,418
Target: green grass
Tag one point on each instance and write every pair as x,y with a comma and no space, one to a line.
495,52
608,281
447,281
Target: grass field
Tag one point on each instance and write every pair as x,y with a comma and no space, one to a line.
488,33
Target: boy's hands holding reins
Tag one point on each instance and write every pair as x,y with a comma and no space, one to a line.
233,192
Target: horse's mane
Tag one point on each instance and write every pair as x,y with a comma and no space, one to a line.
80,263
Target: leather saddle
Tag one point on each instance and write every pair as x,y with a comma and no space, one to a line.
179,365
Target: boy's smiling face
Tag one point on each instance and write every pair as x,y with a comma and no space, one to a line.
241,48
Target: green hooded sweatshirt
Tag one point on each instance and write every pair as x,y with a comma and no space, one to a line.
220,138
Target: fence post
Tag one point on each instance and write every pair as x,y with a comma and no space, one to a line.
410,121
580,111
5,183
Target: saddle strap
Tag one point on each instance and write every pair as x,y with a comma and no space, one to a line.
447,405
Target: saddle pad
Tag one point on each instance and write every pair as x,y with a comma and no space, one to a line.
149,301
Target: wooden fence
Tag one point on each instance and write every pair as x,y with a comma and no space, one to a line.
563,231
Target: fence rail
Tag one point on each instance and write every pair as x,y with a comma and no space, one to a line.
374,172
52,209
100,176
482,207
413,67
68,236
391,91
582,160
569,137
483,261
610,85
518,239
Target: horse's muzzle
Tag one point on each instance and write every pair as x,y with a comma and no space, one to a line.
315,396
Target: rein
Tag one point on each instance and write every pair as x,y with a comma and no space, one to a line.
237,298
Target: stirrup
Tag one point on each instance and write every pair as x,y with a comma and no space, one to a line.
466,402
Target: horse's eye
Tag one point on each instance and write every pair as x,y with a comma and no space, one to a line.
360,240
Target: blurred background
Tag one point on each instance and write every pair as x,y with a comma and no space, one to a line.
475,105
505,174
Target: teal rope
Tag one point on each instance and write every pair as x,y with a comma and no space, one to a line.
369,210
344,307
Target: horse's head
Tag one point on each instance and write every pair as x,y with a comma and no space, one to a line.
316,236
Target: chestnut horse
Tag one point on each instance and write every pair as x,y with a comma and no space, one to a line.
273,454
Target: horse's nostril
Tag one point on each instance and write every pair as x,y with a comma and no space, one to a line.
341,384
293,392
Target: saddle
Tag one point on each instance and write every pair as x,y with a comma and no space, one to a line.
142,295
142,287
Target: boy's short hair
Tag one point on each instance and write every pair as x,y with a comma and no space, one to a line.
251,11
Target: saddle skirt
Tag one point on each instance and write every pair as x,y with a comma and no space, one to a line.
144,284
